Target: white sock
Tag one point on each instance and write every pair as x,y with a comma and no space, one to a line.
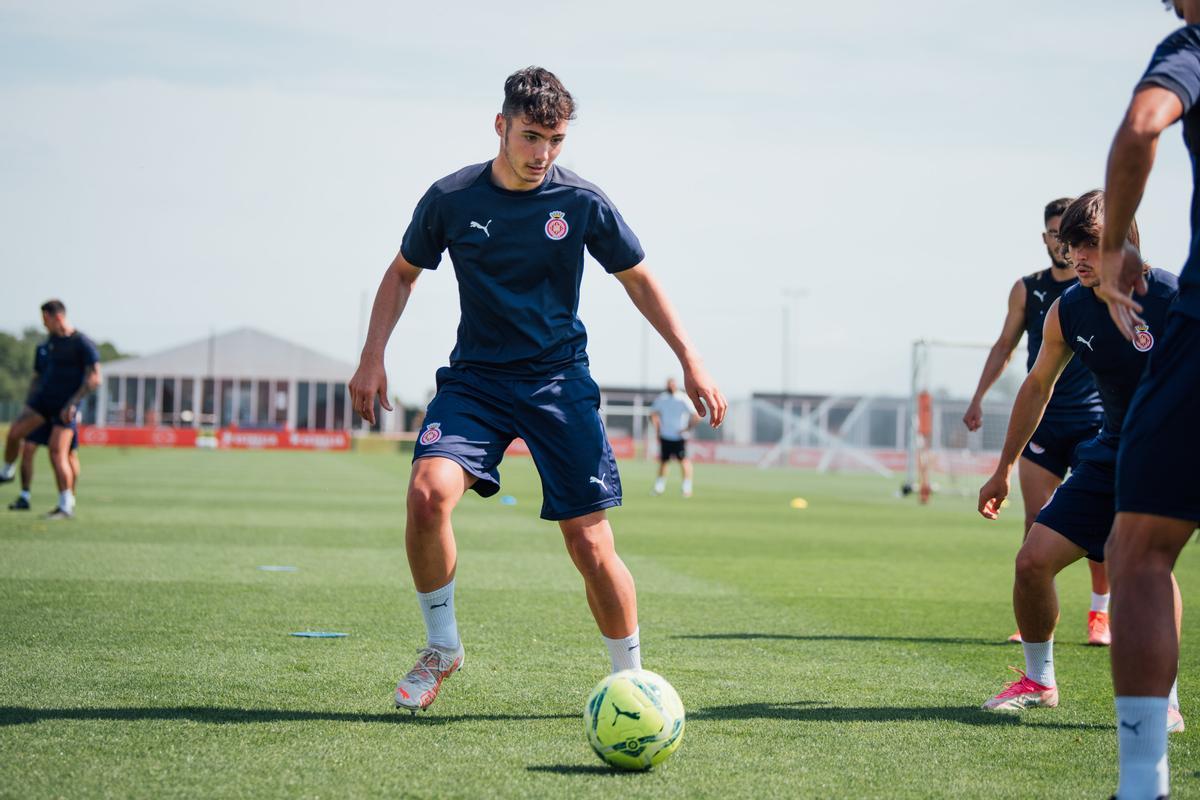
441,628
660,485
9,469
1100,602
25,495
1039,662
1173,697
66,500
687,486
627,653
1142,747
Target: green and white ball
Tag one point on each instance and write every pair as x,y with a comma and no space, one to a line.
634,719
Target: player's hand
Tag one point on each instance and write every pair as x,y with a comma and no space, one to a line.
973,419
67,415
705,395
369,382
992,495
1121,274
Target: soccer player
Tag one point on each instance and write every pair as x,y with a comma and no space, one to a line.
516,228
1078,518
1158,499
41,436
1073,413
72,372
673,418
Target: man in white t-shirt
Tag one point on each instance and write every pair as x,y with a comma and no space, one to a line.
673,418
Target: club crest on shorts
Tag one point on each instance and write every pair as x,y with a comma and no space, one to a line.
1143,340
556,226
432,433
1036,449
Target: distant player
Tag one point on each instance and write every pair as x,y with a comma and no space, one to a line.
516,228
1074,412
41,436
673,417
1077,521
1158,471
72,372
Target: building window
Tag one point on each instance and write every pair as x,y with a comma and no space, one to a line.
150,402
187,404
320,414
281,403
131,400
302,422
168,401
208,402
339,406
245,414
262,408
226,403
112,401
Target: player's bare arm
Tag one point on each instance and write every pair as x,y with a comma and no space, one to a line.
370,379
648,296
1030,404
1000,354
1152,110
91,382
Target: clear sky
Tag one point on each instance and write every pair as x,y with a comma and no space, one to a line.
879,168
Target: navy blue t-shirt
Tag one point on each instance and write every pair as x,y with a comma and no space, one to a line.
518,257
1176,66
1075,398
1116,363
68,357
41,359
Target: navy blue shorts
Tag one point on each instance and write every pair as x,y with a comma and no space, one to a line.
1053,444
472,420
1158,468
1083,508
42,435
50,408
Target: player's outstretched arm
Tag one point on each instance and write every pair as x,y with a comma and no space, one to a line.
1152,110
370,379
647,295
1027,410
998,357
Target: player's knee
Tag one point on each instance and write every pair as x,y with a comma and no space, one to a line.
589,553
429,502
1030,566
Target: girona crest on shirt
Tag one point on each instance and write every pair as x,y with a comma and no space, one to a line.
433,432
556,226
1143,340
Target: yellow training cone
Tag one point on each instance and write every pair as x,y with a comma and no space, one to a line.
799,502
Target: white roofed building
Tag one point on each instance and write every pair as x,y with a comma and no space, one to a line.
244,378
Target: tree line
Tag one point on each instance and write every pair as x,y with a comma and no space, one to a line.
16,361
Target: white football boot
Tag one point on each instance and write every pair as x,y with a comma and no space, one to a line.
419,688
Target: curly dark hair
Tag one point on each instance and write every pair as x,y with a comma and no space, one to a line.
1083,219
537,95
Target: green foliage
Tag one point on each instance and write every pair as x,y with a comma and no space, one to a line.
16,362
838,651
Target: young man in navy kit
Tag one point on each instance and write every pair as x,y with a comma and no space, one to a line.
516,228
1158,472
1077,520
1073,414
41,436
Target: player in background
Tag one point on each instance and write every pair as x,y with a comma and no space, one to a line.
41,436
673,418
1073,414
1158,477
72,373
1077,521
516,228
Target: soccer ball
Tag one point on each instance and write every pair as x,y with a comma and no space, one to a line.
634,719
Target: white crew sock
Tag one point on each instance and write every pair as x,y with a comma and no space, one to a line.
687,486
1100,602
660,485
1173,697
1039,662
66,500
441,628
626,653
1142,747
9,469
25,495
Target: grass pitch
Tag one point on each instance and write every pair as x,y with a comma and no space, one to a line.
837,651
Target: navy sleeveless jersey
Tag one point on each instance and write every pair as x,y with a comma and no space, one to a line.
1116,363
1075,398
68,357
518,257
1175,66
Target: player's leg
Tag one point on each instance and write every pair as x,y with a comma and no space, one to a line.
74,459
611,594
60,460
26,423
664,461
1098,627
28,454
1044,554
1038,479
685,465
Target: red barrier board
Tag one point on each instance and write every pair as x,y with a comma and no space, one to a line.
93,435
246,439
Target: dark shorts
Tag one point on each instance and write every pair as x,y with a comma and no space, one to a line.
1082,509
472,420
1158,468
1053,444
42,435
50,408
672,448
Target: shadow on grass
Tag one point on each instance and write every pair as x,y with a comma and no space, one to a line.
18,715
581,769
837,637
809,711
